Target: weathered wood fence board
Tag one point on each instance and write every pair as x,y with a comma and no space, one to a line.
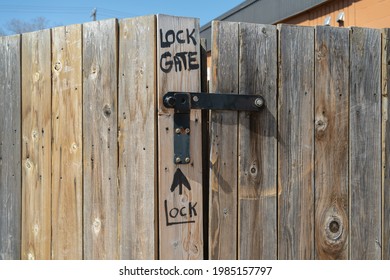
87,167
296,143
386,144
257,185
137,138
331,153
365,144
100,140
36,145
223,141
10,148
180,201
67,175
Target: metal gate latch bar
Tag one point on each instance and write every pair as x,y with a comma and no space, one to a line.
183,102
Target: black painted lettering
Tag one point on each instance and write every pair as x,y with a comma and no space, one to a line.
169,38
182,213
178,39
190,36
173,213
192,209
165,63
192,63
180,60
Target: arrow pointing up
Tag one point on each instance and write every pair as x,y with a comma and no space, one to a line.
179,179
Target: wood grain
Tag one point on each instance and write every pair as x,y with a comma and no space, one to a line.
36,145
179,241
67,176
223,141
258,144
100,153
10,148
365,144
296,140
137,138
331,142
386,144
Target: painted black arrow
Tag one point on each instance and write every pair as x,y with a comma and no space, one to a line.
179,179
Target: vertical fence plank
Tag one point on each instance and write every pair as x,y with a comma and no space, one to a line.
365,144
331,142
223,141
295,152
36,145
10,168
67,143
386,143
180,202
258,144
100,140
137,137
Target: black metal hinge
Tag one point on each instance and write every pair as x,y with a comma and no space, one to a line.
183,102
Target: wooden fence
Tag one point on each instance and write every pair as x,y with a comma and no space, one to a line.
86,145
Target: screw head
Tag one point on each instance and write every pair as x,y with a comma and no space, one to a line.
259,102
195,99
177,160
187,130
177,130
187,160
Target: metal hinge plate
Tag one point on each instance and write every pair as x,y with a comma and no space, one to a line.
183,102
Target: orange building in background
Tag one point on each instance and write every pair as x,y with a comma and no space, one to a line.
363,13
339,13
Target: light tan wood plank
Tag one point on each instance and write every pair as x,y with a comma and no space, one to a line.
365,144
100,153
67,143
223,141
386,144
137,122
331,142
36,145
10,148
296,140
258,144
178,69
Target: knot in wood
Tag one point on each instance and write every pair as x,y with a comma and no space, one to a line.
58,66
97,224
107,110
321,124
334,228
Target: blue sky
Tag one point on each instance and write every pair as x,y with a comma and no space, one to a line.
78,11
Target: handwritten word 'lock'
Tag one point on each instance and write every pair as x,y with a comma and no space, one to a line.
180,215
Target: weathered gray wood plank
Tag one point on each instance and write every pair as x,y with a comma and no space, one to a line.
296,143
137,138
257,187
67,171
223,141
36,145
10,148
386,143
100,139
331,142
365,144
178,69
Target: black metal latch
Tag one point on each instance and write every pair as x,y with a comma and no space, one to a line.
183,102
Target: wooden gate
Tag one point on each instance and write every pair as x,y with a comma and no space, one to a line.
87,167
